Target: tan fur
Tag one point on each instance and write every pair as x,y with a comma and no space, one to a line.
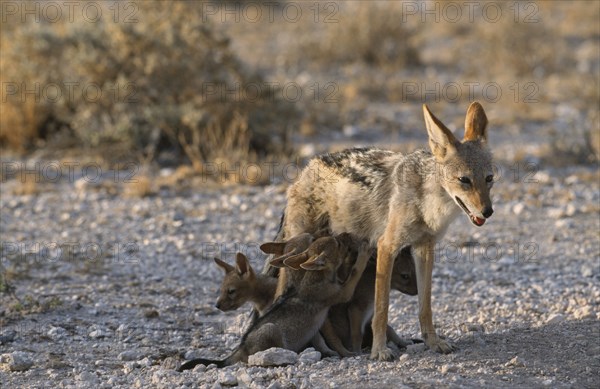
395,200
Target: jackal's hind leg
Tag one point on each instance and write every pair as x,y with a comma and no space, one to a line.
319,344
334,340
267,336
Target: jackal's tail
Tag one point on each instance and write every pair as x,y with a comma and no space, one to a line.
201,361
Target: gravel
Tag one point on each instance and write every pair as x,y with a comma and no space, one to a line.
114,291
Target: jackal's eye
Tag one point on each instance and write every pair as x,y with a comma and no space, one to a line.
489,178
464,180
230,291
405,277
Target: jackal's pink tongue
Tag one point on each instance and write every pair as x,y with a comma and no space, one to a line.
479,221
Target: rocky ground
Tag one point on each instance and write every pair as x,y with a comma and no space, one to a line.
115,291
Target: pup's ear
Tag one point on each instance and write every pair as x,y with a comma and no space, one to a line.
295,261
316,262
279,261
244,268
441,140
273,247
476,123
224,265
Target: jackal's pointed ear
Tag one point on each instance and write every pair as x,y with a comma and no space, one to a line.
279,261
441,139
476,123
273,247
243,266
317,262
295,261
224,265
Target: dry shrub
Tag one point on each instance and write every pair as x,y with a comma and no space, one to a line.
516,48
136,88
139,187
373,33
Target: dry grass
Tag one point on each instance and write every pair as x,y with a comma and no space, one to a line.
133,88
367,53
365,32
139,187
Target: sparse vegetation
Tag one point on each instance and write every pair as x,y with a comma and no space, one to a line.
372,33
135,88
174,83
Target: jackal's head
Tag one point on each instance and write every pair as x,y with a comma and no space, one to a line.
464,167
237,283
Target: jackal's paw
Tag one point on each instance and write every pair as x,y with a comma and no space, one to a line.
440,345
349,354
329,354
384,354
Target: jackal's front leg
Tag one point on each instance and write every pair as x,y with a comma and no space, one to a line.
424,268
383,280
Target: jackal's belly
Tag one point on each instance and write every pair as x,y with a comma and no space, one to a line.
358,215
339,211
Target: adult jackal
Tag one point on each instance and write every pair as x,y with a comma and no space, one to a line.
395,200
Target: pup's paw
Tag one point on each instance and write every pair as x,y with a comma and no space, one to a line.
384,354
329,354
440,345
349,354
364,248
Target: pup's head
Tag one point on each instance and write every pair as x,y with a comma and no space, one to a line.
404,277
464,168
237,283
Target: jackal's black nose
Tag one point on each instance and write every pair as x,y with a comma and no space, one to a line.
487,212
